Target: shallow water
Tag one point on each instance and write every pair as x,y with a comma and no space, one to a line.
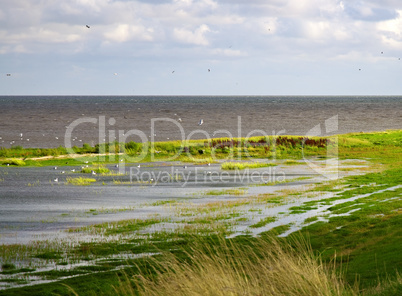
34,208
33,205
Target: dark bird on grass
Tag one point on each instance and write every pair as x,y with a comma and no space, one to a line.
88,26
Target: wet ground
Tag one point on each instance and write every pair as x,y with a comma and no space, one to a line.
39,203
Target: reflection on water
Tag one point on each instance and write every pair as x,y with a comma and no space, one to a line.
33,206
34,209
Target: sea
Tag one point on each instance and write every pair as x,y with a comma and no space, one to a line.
52,121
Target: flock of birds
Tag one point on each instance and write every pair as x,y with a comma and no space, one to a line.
209,70
12,142
56,180
88,27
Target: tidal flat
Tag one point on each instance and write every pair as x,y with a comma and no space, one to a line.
63,237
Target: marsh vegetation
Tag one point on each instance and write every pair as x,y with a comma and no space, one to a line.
339,237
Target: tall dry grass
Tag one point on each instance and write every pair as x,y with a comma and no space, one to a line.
262,268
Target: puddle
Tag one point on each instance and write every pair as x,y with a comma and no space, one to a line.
35,209
296,221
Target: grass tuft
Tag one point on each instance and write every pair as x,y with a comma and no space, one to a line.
98,169
258,268
80,181
14,161
244,165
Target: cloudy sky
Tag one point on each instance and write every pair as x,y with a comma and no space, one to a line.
201,47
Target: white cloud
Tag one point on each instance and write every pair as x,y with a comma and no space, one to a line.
126,32
392,29
366,11
200,30
393,26
228,52
193,37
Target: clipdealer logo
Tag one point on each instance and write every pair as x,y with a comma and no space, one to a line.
328,168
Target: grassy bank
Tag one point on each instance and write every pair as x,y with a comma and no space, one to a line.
197,151
352,248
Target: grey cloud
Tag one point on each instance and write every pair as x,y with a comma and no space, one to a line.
368,12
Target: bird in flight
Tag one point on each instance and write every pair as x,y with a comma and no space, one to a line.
172,71
88,26
209,70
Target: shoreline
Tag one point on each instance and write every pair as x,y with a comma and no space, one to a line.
173,142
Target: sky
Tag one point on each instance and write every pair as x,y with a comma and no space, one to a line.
200,47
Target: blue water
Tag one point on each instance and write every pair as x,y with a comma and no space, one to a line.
43,120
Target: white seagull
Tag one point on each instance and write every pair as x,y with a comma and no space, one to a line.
201,122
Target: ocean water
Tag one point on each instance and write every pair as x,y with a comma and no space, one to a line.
44,120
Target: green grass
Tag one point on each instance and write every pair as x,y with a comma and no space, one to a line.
244,165
238,191
363,245
7,266
368,239
196,151
263,222
293,162
14,162
80,181
97,168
